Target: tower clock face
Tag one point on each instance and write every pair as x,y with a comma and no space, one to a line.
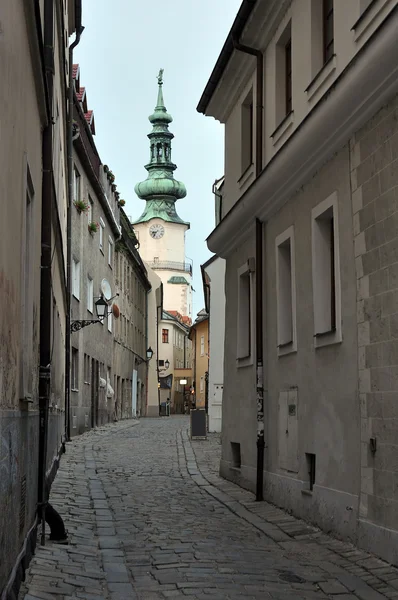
156,231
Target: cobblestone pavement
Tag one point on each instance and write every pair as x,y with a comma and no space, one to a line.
149,518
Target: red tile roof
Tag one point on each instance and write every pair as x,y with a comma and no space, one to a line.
80,94
75,70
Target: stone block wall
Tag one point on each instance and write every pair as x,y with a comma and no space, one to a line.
374,181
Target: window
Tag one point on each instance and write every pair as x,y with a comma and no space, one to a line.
76,185
101,234
202,383
27,287
245,310
110,252
326,273
90,210
286,292
110,322
87,369
90,294
328,30
202,345
311,470
283,79
75,370
76,278
247,132
165,336
161,363
288,77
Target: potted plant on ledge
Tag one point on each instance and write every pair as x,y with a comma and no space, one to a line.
81,206
93,227
122,203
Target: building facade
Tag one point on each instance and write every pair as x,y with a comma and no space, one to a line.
213,275
32,267
95,232
308,235
199,334
130,366
175,360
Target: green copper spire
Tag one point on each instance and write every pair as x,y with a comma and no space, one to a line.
160,189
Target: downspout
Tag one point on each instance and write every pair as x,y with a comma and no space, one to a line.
69,130
259,270
147,345
46,301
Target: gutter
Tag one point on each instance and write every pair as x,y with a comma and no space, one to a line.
69,126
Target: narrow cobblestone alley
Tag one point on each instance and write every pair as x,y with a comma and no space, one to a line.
149,518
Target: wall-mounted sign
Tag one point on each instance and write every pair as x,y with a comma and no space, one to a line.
183,382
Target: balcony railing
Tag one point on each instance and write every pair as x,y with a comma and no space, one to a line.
171,266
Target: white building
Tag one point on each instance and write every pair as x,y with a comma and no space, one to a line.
213,276
307,90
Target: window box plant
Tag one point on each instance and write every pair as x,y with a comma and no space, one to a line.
81,206
93,227
106,168
122,202
111,176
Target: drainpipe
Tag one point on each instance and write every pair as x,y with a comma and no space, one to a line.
260,359
46,301
147,345
259,269
259,100
69,127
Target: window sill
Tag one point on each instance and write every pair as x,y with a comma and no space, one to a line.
246,175
327,338
307,492
282,128
367,18
321,77
235,469
289,348
244,362
74,390
76,297
102,251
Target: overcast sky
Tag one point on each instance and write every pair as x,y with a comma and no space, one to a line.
123,46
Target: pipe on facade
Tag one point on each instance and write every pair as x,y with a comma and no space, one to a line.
260,361
259,270
69,130
259,99
46,301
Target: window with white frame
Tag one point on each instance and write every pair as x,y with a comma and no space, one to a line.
247,127
110,252
326,272
101,234
90,294
75,370
90,209
286,291
76,278
76,185
202,345
245,314
283,81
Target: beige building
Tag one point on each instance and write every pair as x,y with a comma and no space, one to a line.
33,191
199,334
307,91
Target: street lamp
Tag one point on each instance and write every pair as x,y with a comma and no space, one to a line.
101,308
149,353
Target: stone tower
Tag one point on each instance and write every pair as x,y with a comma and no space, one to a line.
160,231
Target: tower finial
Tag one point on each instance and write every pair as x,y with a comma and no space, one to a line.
160,77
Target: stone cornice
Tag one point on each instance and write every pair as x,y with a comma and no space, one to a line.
367,83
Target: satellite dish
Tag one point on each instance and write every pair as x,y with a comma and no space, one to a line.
106,289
